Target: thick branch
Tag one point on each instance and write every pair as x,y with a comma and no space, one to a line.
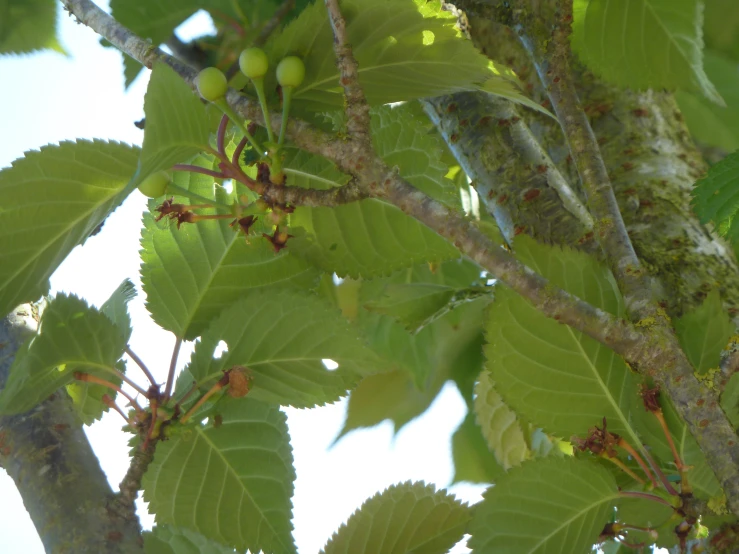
47,454
545,34
515,178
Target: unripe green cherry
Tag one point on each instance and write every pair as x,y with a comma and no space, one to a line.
155,184
290,71
253,63
212,84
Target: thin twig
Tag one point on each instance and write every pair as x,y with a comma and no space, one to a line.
139,362
357,108
297,196
172,367
125,501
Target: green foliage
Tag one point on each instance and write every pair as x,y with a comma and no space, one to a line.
50,201
176,123
372,237
116,307
708,122
405,53
73,337
230,480
561,505
644,43
471,455
418,364
28,25
716,196
500,426
191,274
542,368
166,539
88,397
410,517
721,27
282,338
704,332
730,400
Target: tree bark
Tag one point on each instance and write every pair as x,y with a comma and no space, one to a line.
48,456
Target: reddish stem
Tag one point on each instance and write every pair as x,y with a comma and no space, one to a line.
87,378
237,153
108,401
197,169
139,362
633,453
172,366
214,389
645,496
625,469
660,474
221,137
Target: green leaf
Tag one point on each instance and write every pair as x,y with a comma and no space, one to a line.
716,196
166,539
644,43
721,27
404,141
642,512
72,337
116,307
704,333
153,19
412,304
547,505
176,122
193,273
711,124
410,517
542,368
405,51
50,201
230,481
500,425
367,239
282,338
88,397
473,461
27,26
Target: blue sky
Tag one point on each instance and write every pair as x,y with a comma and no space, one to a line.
48,98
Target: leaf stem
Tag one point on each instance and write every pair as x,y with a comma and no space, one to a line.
639,460
237,153
222,382
198,169
684,484
221,136
660,474
139,362
624,468
110,403
645,496
125,379
172,367
87,378
259,86
236,120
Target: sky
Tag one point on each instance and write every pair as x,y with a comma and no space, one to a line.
48,98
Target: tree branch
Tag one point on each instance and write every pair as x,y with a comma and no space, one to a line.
297,196
655,351
545,33
46,453
514,176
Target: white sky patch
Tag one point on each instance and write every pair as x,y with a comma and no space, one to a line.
330,364
220,350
